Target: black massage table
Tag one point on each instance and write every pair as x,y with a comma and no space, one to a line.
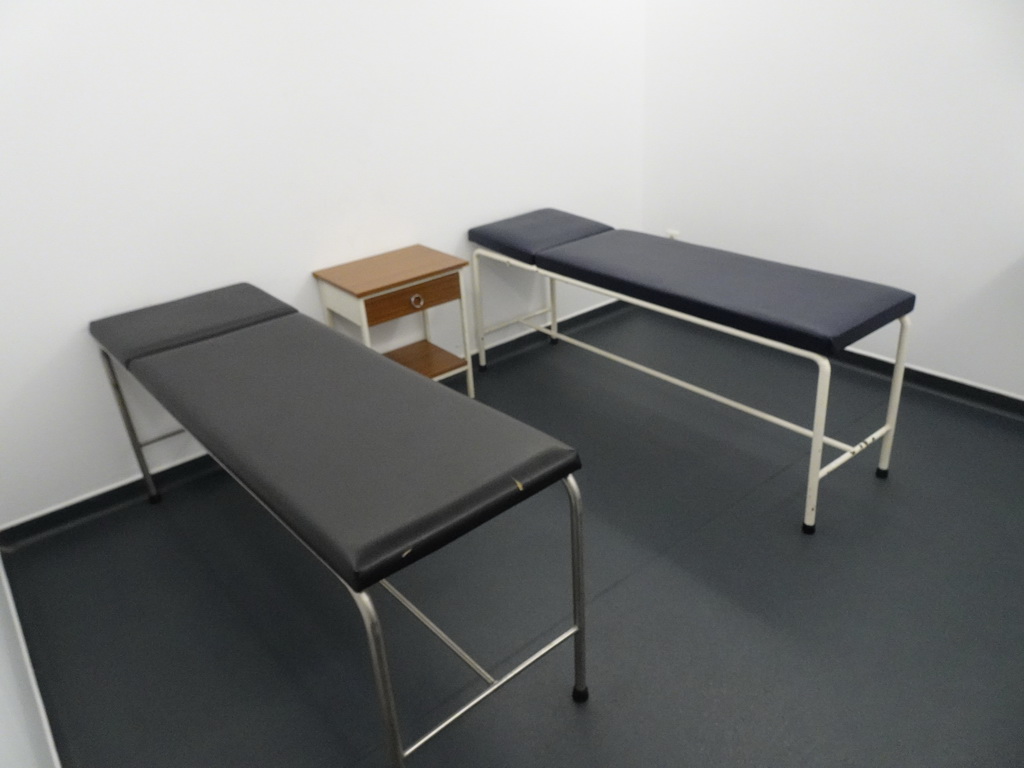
369,465
804,312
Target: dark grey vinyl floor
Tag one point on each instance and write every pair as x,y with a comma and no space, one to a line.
196,633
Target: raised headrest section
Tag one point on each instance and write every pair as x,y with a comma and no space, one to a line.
523,237
161,327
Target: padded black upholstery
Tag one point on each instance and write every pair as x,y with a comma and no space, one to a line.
816,311
524,236
370,464
183,321
805,308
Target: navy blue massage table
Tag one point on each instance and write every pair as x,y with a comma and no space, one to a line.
368,464
804,312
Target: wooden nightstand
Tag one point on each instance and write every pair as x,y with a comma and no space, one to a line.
377,289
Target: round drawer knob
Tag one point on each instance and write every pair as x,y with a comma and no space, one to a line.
416,300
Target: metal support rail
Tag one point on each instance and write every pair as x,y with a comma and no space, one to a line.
690,387
840,460
518,320
371,619
441,634
816,433
378,651
129,426
572,631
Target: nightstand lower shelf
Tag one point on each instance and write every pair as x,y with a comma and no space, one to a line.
426,358
389,286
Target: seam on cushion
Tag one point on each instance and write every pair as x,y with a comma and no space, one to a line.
577,240
547,248
212,335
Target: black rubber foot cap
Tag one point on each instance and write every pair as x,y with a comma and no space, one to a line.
580,696
882,473
808,529
553,340
481,368
155,499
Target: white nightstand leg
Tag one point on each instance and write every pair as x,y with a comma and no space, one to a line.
364,324
466,351
553,308
478,311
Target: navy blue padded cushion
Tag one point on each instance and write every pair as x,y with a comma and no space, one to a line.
805,308
372,465
523,237
164,326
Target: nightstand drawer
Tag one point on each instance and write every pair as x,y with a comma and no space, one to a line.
403,302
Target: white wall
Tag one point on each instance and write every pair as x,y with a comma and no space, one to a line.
149,150
877,139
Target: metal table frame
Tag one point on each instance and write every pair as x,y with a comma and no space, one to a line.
368,611
816,433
